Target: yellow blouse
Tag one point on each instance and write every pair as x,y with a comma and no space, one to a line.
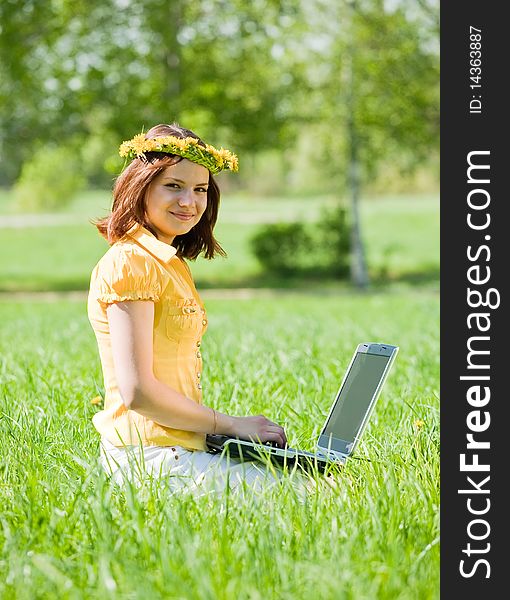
141,267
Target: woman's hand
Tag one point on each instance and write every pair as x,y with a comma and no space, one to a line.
258,429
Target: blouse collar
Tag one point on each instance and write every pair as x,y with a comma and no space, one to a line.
150,242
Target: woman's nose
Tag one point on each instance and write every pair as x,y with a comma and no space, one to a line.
185,197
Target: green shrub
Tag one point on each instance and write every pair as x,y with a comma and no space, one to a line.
296,249
282,247
49,180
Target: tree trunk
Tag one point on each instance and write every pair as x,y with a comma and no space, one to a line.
173,58
359,272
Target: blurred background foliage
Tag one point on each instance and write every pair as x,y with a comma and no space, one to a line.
316,96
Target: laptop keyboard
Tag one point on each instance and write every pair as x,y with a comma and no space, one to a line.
271,448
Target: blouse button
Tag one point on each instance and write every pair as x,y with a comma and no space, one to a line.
198,354
199,375
199,386
198,344
204,322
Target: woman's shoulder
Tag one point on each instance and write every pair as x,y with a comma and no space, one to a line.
126,258
124,252
127,272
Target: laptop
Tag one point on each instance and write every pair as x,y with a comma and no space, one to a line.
346,420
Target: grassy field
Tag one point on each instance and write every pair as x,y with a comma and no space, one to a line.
401,235
66,533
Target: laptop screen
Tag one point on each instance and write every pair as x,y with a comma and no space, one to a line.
355,397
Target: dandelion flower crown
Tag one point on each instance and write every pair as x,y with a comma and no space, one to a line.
189,147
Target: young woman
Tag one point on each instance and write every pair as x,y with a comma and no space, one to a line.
149,319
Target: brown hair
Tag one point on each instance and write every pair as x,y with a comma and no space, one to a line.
129,193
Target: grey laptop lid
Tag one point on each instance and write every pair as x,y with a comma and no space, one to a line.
356,398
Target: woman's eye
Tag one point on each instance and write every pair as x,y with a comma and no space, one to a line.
201,190
171,185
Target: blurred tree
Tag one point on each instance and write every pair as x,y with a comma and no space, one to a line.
374,93
27,30
116,66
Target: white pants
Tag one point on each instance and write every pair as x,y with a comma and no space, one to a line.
196,471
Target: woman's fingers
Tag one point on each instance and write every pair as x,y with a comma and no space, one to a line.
276,430
276,434
259,429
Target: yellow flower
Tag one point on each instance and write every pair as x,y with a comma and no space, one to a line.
139,143
125,149
418,423
96,400
180,143
233,163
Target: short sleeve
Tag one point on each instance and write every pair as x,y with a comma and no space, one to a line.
126,274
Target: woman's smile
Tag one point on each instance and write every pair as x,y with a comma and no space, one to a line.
182,216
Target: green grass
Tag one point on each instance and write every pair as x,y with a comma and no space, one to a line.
66,533
401,235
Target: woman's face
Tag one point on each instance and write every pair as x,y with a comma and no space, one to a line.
176,199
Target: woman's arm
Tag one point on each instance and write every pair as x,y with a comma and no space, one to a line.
131,330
